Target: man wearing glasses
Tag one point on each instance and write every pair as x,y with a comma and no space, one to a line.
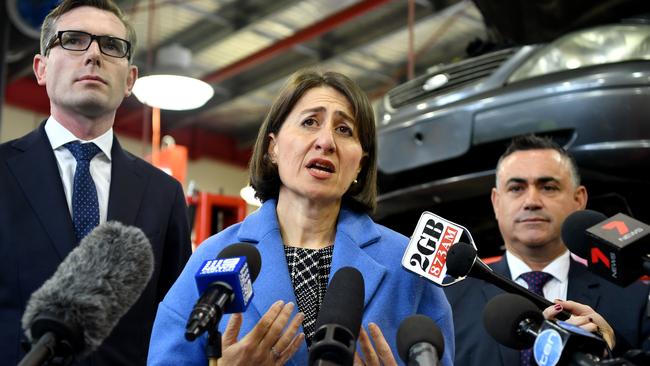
70,174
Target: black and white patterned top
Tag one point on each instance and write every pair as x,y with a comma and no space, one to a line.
309,270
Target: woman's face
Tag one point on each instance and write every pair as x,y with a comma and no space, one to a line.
317,149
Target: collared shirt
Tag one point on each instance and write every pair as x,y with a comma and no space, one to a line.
100,165
556,287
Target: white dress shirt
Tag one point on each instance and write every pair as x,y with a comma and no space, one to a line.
100,165
556,287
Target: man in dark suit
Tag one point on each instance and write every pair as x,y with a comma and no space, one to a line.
85,65
537,187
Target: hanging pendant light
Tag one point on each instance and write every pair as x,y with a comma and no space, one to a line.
170,86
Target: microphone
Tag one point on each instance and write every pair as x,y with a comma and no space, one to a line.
462,261
339,320
72,313
225,285
515,322
420,341
427,251
615,248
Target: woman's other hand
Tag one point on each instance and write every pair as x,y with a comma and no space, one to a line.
378,355
267,343
585,317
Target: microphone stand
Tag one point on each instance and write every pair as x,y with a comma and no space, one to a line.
213,347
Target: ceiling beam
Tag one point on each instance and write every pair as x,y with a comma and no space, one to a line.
206,32
342,38
301,36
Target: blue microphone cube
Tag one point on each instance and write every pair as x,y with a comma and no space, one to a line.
231,272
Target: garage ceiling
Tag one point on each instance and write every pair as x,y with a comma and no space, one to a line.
247,49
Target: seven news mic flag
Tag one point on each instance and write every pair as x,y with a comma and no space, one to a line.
615,249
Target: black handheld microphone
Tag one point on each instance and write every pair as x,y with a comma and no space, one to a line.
616,248
339,320
225,285
72,313
420,341
515,322
462,261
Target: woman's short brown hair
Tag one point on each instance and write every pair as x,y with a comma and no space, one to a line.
264,176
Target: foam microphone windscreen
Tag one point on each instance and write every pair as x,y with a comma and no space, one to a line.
460,259
95,285
574,230
417,329
503,316
247,250
343,301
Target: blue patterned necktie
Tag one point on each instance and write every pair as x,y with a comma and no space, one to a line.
85,208
536,281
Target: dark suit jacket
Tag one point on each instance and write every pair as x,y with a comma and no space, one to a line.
623,308
36,234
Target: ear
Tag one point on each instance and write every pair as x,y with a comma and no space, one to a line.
130,79
362,162
273,148
40,67
580,196
495,202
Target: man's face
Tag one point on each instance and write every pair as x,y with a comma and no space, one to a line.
88,82
534,194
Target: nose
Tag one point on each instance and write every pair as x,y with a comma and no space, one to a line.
532,200
325,140
93,53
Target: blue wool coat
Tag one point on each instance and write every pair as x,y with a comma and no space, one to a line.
391,293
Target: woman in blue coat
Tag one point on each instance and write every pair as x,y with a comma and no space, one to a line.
314,168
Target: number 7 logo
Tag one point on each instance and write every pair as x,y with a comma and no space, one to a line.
618,225
598,256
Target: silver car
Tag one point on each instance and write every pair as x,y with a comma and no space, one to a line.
441,134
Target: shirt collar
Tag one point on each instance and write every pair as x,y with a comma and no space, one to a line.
559,267
59,136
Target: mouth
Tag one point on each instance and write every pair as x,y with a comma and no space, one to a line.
92,78
532,220
321,165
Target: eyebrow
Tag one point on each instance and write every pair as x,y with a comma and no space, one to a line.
341,114
540,180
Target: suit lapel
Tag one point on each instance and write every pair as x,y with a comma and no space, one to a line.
582,286
273,282
509,356
127,186
37,173
351,253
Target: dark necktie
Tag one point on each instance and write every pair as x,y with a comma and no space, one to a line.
536,281
85,209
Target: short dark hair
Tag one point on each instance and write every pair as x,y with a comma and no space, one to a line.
264,176
534,142
48,29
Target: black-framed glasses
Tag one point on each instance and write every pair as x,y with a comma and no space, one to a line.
73,40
